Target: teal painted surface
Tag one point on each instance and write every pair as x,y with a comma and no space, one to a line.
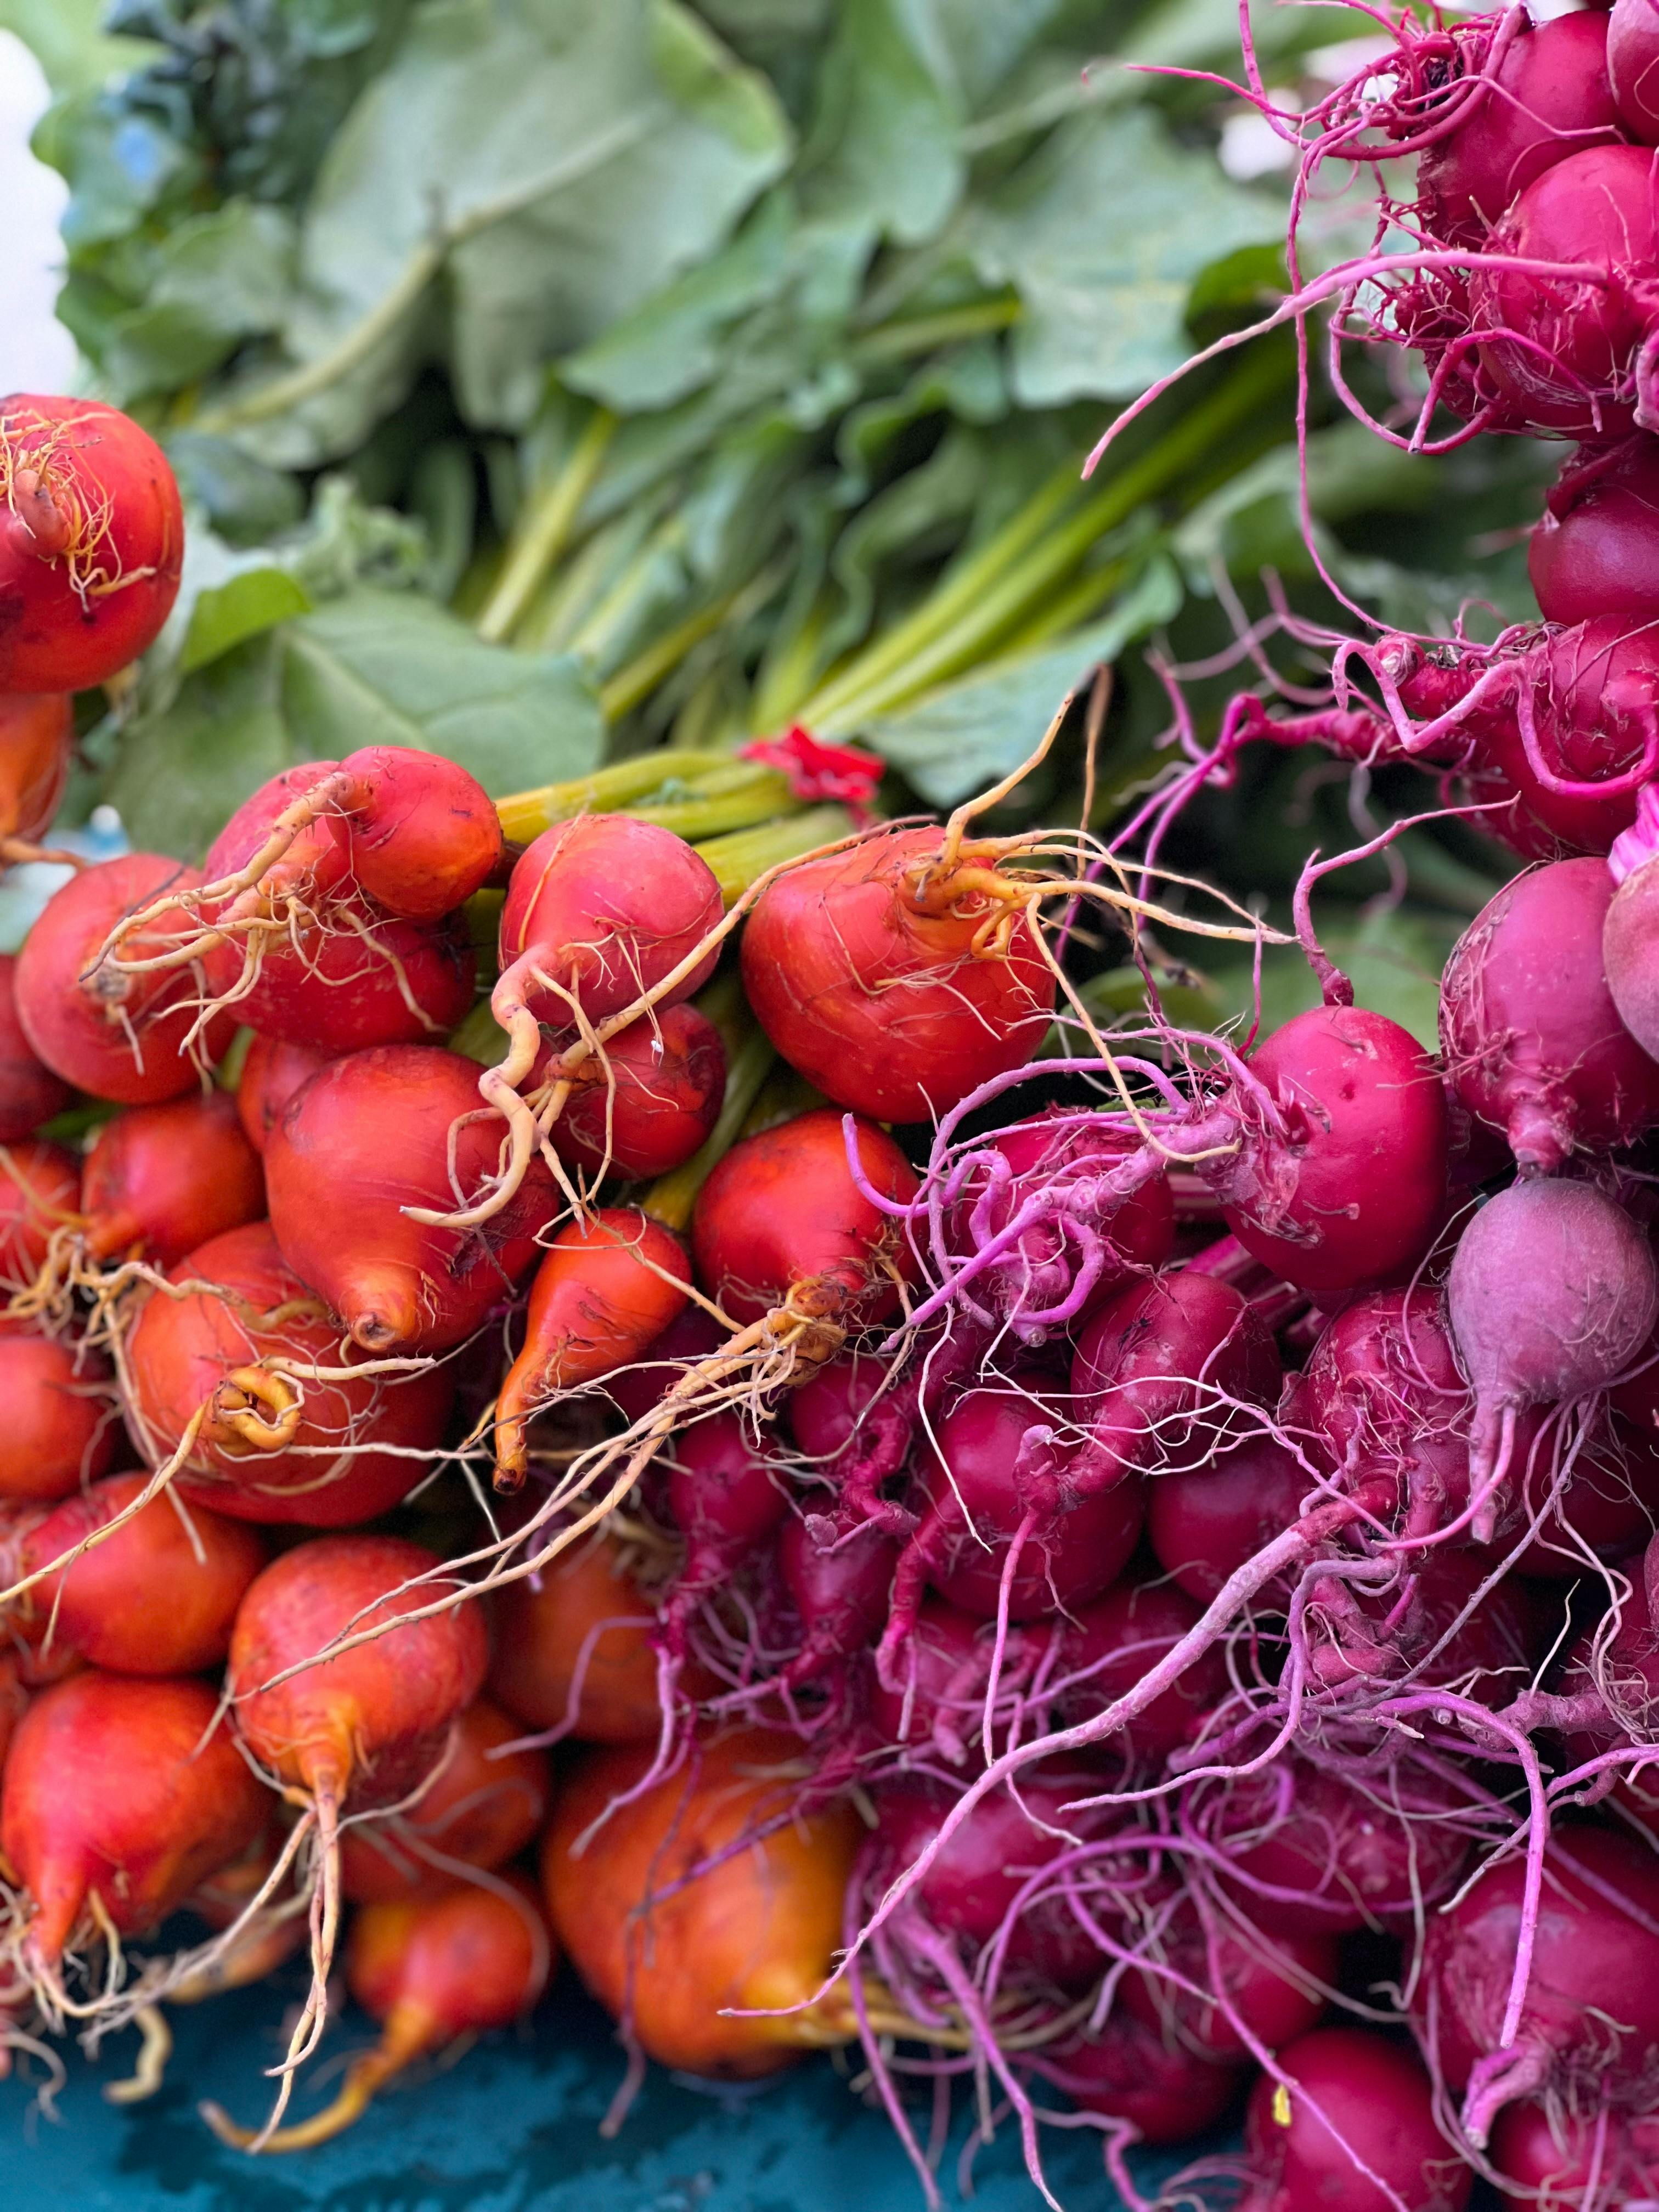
511,2127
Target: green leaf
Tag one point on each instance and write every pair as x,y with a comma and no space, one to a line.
66,36
255,601
970,733
1102,232
1393,958
884,151
218,279
562,161
373,667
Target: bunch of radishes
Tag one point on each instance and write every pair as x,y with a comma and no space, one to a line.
1111,1565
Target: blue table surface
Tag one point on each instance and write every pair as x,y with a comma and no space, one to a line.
512,2126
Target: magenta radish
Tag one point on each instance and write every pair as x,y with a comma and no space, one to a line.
1333,1850
1575,2163
1269,1989
1350,2128
1562,351
1127,2071
1086,1238
1204,1525
1596,550
975,1538
1629,931
1551,1295
1633,57
1351,1190
1549,97
1532,1037
1588,2023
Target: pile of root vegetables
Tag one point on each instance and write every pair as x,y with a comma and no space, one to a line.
575,1401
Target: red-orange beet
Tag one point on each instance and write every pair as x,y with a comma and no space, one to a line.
157,1597
339,1188
882,1003
478,1810
645,1108
421,833
323,1453
37,737
129,1786
574,1648
161,1180
610,1285
29,1092
271,1073
40,1191
59,1429
782,1215
604,908
116,1034
91,543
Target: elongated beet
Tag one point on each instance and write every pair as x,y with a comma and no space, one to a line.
879,996
705,1952
599,909
287,1431
92,542
479,1809
129,1786
156,1597
159,1181
727,1495
610,1285
362,1729
1354,1190
118,1033
1532,1040
338,1193
430,1970
783,1217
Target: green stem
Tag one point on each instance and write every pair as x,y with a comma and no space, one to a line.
898,340
739,859
610,790
944,606
763,796
638,678
543,531
956,646
423,265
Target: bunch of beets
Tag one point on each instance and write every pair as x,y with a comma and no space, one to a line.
1114,1565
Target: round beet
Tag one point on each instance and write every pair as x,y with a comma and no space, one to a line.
60,1429
1128,2072
1355,1191
286,1433
1274,1987
481,1807
841,1595
573,1648
420,834
1554,2159
1633,67
29,1092
643,1106
1386,1399
130,1786
1204,1524
347,1205
1108,1645
157,1596
271,1073
158,1181
600,909
116,1033
782,1218
37,741
1531,1036
877,992
1586,696
92,541
40,1193
1351,2129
